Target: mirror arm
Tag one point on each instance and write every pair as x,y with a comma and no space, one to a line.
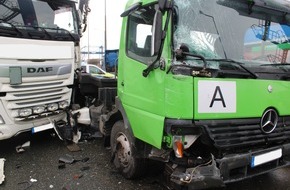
151,65
164,5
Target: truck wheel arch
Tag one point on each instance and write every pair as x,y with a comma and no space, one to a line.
121,109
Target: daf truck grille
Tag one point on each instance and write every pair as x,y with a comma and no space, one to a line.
237,136
42,99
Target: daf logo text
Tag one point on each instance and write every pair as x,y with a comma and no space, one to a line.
39,69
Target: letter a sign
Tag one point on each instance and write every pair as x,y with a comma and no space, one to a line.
216,97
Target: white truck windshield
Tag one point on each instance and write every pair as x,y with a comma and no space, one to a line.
47,17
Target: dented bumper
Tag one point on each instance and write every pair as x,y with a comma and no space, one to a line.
230,168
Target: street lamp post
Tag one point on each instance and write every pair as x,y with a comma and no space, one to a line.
105,35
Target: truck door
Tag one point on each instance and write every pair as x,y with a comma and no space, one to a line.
142,98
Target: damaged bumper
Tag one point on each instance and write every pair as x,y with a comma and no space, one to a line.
200,177
230,168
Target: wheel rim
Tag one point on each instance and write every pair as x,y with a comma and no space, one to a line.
123,150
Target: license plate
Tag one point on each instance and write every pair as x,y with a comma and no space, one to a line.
42,128
266,157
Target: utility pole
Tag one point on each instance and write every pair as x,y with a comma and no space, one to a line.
88,42
105,45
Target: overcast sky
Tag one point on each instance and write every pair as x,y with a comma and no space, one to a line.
94,36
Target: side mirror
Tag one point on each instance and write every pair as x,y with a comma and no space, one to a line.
131,9
157,33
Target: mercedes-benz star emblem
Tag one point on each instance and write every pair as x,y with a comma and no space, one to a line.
269,121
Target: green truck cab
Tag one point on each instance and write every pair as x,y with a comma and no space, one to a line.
203,87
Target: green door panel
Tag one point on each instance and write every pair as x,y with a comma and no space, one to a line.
146,126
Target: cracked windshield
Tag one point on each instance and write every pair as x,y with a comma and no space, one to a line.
52,16
231,30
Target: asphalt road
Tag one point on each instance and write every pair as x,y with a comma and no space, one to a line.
38,168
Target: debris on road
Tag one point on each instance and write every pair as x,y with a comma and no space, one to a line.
33,180
73,147
28,184
21,148
68,159
2,176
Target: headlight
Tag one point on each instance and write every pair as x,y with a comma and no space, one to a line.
25,112
38,109
63,104
52,107
1,120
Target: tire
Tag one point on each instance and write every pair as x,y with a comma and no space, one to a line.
124,153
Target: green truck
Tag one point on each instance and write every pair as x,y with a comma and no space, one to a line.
198,90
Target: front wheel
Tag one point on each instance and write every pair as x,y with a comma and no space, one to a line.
124,152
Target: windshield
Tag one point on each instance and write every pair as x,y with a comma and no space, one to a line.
241,30
47,17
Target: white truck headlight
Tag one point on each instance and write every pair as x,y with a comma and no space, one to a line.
25,112
52,107
63,104
38,109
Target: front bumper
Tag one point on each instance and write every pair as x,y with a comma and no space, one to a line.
10,130
228,169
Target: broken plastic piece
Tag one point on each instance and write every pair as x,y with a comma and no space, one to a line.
25,145
33,180
73,147
20,148
77,137
2,176
83,160
68,159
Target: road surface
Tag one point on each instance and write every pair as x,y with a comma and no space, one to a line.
38,168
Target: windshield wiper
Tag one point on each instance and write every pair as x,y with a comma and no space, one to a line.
280,65
183,51
276,64
12,26
235,62
70,34
45,30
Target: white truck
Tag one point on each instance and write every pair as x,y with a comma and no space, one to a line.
39,50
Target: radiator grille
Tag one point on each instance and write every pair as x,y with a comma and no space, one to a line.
28,95
236,136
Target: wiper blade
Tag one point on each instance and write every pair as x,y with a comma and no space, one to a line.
183,51
55,29
276,64
12,26
66,32
236,62
44,30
